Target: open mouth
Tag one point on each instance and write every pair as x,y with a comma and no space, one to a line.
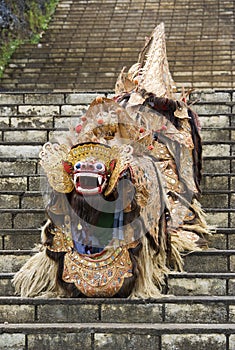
89,183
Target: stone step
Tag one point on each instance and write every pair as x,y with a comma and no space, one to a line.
200,283
176,309
177,284
23,238
100,336
218,199
207,261
12,239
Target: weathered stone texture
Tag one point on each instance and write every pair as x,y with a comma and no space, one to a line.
216,150
214,200
216,166
80,99
11,99
41,110
219,121
21,241
126,313
193,342
214,183
212,109
51,341
13,184
217,219
196,286
205,263
25,152
195,313
16,313
46,99
29,220
67,313
4,122
12,341
77,110
6,288
211,96
5,220
12,263
8,110
32,202
18,167
9,201
42,122
25,136
105,341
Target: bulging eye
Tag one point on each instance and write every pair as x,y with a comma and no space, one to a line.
99,167
77,166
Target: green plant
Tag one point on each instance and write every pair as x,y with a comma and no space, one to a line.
38,21
7,49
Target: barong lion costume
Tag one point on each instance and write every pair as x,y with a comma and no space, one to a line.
124,191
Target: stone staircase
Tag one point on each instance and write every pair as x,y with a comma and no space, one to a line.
88,43
198,311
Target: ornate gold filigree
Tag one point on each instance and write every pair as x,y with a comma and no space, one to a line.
102,276
52,156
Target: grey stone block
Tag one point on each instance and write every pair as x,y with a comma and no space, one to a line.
29,220
23,151
80,98
220,121
232,342
16,313
231,287
107,341
42,110
126,313
232,263
18,167
232,219
6,220
34,183
216,166
216,150
8,111
4,122
196,286
211,96
65,123
12,341
214,183
195,313
212,109
46,99
215,135
217,219
217,241
32,202
193,342
13,184
12,263
59,341
214,200
11,99
9,201
68,313
205,263
42,122
21,241
25,136
78,110
6,287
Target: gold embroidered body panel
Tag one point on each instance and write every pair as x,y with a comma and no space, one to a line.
99,276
